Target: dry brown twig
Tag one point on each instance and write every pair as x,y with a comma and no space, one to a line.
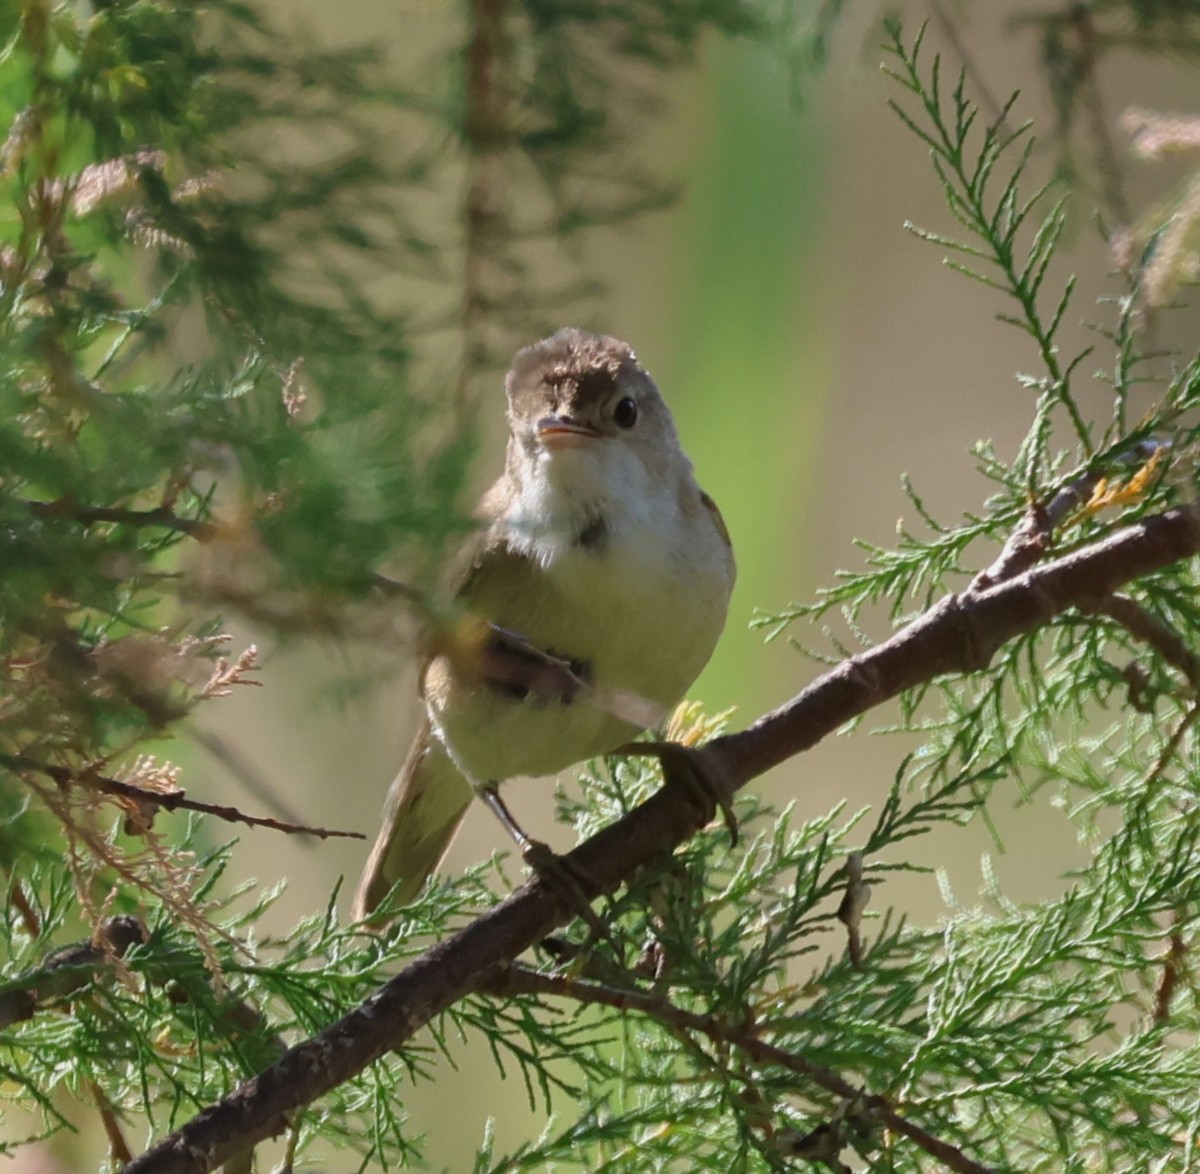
960,634
118,1147
1174,969
143,802
1152,631
93,515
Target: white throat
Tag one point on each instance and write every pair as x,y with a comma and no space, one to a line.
597,496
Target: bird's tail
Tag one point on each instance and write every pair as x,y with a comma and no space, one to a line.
424,807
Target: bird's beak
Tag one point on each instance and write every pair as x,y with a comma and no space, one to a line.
563,432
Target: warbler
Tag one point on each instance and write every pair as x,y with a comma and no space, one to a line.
598,552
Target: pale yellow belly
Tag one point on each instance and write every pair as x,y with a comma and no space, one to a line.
644,637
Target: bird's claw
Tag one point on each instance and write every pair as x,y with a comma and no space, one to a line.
697,772
566,878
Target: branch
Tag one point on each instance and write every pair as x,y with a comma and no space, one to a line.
1149,629
515,980
147,799
1031,539
1174,970
487,135
90,515
30,919
69,970
950,30
118,1147
960,634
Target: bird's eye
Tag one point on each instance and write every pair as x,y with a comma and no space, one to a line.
625,413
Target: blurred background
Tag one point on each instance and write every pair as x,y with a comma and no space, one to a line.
813,352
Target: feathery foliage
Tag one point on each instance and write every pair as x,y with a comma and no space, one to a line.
202,411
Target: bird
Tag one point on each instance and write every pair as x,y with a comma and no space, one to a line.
598,585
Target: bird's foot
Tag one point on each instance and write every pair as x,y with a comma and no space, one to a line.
558,873
565,878
697,772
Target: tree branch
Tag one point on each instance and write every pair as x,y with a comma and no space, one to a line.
487,136
1149,629
960,634
147,800
66,971
89,515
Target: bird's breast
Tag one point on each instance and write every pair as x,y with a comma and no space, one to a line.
638,608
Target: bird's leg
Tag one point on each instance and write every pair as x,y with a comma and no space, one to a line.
490,794
697,772
553,870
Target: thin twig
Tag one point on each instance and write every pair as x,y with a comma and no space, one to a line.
1030,542
1168,751
487,136
22,904
249,777
949,30
118,1147
850,910
68,970
173,800
89,515
1173,963
1149,629
513,980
